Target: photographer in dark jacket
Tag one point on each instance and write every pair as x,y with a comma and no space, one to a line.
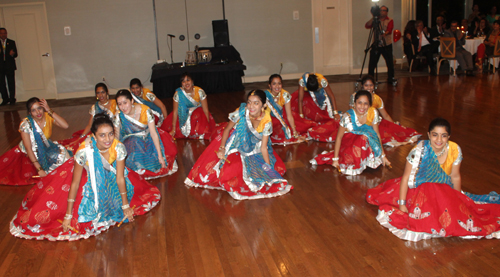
382,45
8,68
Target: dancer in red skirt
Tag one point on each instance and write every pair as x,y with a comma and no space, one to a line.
146,97
99,194
360,147
36,155
315,100
287,128
103,104
427,201
190,117
151,152
242,161
392,134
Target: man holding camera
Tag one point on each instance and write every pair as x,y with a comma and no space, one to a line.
382,44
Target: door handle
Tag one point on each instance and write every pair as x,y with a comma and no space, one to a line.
46,55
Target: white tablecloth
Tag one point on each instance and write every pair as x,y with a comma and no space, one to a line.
472,44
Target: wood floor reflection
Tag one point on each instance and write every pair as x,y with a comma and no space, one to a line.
324,227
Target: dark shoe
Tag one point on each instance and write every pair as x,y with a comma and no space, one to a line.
392,81
13,101
470,73
4,102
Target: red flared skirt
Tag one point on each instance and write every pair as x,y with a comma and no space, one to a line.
201,128
434,210
392,134
204,175
46,203
395,135
16,169
74,142
301,125
354,157
310,110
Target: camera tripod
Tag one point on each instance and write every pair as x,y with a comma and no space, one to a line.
375,41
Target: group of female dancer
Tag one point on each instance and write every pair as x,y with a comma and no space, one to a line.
131,138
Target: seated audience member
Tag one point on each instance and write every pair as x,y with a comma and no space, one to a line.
482,28
492,15
488,46
438,30
463,56
422,44
464,26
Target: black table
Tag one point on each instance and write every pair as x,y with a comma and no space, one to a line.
212,78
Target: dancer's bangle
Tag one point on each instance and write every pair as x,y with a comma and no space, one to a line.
51,112
401,202
126,206
71,200
38,169
382,156
335,112
301,115
68,216
335,159
123,193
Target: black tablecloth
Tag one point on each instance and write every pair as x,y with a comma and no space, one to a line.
212,78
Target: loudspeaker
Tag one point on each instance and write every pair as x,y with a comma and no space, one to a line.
221,32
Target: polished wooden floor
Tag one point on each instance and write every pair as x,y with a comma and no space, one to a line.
323,227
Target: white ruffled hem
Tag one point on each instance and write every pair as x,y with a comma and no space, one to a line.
284,190
405,234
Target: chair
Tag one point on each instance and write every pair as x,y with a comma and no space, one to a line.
417,57
447,53
420,57
494,59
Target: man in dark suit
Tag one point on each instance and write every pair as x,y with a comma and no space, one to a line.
422,43
463,56
7,68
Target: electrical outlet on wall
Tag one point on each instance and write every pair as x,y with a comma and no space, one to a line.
295,15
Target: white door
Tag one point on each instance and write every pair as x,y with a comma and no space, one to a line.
27,25
331,29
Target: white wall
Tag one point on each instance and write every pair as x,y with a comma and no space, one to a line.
116,39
